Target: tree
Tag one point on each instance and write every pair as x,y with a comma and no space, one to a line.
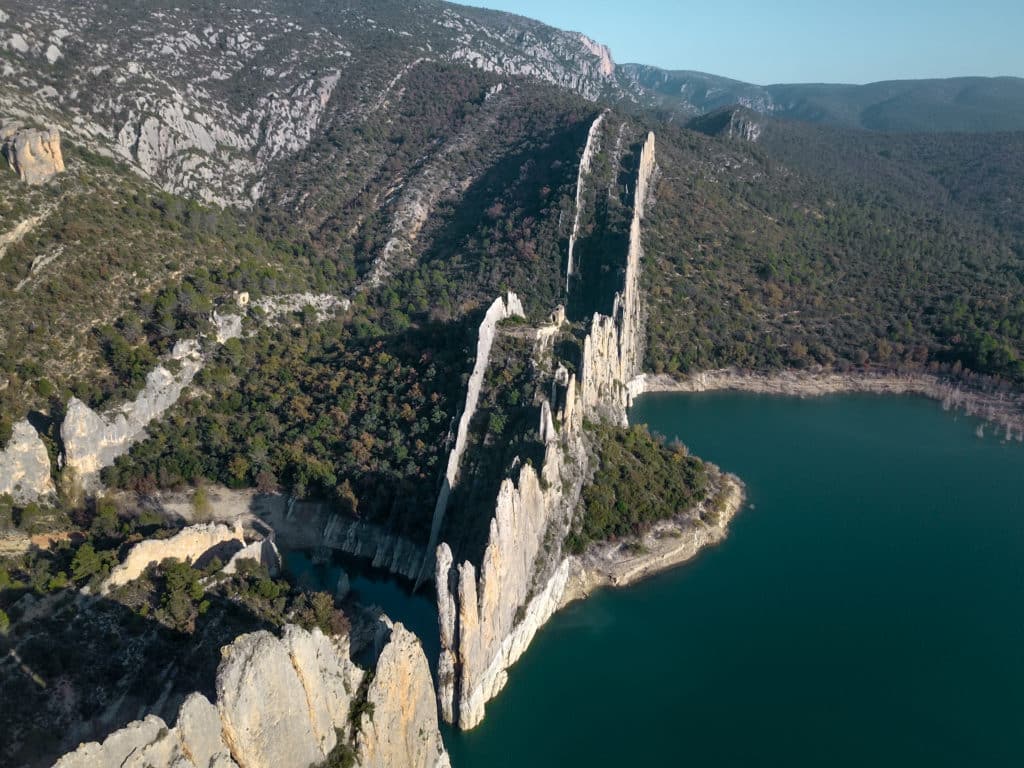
105,523
201,504
86,562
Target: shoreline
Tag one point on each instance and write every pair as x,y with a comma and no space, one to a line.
669,544
1005,410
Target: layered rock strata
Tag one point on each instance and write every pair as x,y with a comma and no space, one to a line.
34,155
285,703
25,465
310,525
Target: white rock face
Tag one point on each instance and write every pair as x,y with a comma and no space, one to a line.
603,53
25,465
93,441
227,327
486,624
199,730
140,744
501,309
188,544
266,716
324,304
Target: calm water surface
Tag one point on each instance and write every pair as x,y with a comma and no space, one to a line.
867,609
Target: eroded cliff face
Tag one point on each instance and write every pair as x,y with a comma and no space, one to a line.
25,465
489,615
34,155
283,702
480,616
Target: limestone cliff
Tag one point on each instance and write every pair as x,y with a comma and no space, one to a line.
25,465
190,544
488,615
264,552
34,155
311,525
284,703
478,616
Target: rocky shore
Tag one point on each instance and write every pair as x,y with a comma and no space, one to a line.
668,544
1004,409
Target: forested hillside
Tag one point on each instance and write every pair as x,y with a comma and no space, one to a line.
822,247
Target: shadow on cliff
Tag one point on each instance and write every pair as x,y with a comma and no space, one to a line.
75,667
602,249
513,196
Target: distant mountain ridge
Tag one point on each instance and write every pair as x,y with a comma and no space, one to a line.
963,104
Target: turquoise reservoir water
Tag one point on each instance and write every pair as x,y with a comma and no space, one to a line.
866,610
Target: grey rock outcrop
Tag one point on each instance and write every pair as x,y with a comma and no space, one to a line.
263,552
487,622
195,742
284,703
269,717
93,441
25,465
33,154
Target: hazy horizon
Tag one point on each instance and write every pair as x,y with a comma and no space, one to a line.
796,41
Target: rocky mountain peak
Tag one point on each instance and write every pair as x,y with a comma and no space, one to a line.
603,52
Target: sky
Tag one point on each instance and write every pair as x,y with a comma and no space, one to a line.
799,41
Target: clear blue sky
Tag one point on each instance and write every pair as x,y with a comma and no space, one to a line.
789,41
